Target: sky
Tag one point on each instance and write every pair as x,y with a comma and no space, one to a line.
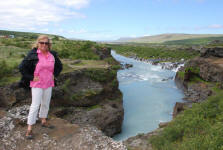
112,19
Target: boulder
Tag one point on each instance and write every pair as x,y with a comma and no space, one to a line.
197,92
163,124
107,116
179,107
210,69
103,52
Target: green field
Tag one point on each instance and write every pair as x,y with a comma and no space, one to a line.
172,53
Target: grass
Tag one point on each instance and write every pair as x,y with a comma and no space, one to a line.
7,80
101,75
85,94
93,107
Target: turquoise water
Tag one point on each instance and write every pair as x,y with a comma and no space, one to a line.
147,98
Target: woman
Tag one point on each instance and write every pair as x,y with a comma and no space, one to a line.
38,70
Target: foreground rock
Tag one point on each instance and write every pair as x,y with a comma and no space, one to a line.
65,136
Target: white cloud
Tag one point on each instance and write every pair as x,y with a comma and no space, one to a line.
213,26
81,31
73,3
147,35
216,26
30,14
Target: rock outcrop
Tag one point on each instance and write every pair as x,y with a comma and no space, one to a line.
141,141
212,51
206,68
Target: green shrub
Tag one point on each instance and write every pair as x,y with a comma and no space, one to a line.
5,69
101,75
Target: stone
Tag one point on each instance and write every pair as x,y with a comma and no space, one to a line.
213,51
163,124
179,107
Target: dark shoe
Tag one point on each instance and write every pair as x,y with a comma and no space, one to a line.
46,125
29,135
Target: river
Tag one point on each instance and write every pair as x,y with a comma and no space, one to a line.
149,95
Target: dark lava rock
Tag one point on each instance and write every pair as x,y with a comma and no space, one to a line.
214,51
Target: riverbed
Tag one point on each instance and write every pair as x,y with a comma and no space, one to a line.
149,95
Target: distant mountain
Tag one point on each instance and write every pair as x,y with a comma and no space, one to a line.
124,39
166,37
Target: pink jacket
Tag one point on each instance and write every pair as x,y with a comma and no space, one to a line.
44,70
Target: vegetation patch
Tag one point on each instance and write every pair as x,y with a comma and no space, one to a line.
101,75
65,86
93,107
190,74
150,52
7,72
76,49
85,94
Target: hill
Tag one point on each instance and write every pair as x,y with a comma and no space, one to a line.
196,41
168,37
30,35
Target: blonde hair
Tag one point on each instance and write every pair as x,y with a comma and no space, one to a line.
41,37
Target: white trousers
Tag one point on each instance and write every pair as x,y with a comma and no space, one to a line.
40,97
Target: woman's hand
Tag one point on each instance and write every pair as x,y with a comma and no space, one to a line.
36,78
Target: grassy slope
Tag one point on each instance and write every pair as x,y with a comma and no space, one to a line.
12,51
29,35
197,128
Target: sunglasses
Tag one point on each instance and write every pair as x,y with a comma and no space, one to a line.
46,43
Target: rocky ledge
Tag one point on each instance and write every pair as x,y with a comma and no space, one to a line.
64,136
